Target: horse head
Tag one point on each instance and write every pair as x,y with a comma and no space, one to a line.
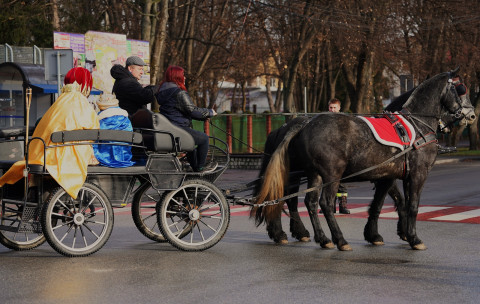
457,100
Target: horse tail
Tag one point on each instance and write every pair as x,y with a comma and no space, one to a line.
274,180
270,145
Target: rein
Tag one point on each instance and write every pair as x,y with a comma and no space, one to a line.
279,200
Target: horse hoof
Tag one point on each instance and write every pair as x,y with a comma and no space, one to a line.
283,242
345,247
420,246
329,245
305,239
378,243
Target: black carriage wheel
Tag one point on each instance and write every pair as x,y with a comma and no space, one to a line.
17,240
144,214
77,227
194,217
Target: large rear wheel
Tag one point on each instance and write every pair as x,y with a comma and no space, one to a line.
195,216
77,227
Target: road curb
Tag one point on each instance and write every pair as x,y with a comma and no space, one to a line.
449,160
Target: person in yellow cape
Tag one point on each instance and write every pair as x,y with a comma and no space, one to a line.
71,111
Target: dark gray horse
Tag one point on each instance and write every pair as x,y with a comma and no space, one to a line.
297,228
334,145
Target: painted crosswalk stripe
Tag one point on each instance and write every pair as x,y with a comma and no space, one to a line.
421,210
458,216
358,210
239,209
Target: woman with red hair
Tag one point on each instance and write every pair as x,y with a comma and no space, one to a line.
176,105
71,111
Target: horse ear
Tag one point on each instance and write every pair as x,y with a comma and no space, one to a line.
454,72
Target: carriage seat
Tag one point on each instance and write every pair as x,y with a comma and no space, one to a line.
87,137
166,137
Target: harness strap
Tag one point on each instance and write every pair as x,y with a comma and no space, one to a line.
425,140
392,118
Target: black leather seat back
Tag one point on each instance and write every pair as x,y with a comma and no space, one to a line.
161,141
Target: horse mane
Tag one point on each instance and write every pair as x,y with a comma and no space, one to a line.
398,102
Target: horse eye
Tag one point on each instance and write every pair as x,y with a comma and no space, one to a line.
461,89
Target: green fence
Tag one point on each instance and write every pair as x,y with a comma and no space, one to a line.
239,129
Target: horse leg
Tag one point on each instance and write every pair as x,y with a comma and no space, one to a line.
311,202
296,225
370,232
412,190
327,204
399,202
275,231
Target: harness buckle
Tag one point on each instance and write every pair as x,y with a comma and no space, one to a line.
458,114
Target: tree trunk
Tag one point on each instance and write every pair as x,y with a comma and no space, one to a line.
55,19
293,70
234,107
271,104
278,97
189,43
158,48
146,20
244,96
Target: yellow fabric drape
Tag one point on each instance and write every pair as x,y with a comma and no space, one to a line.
67,165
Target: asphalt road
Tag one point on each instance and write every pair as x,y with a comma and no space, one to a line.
247,267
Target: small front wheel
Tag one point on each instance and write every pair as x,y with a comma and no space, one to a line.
77,227
195,216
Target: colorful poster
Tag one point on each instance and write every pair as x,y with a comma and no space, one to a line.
75,42
103,50
141,49
99,51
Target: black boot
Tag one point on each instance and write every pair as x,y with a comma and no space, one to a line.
342,206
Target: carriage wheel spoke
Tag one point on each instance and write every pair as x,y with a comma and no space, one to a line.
186,197
211,228
83,236
209,207
179,204
92,232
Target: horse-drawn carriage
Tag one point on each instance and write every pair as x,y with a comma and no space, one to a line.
194,213
185,208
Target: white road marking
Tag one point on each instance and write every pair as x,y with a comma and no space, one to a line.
421,210
458,216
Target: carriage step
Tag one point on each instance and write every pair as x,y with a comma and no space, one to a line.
8,228
33,226
23,227
25,219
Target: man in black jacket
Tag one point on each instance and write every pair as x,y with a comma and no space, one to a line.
127,88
